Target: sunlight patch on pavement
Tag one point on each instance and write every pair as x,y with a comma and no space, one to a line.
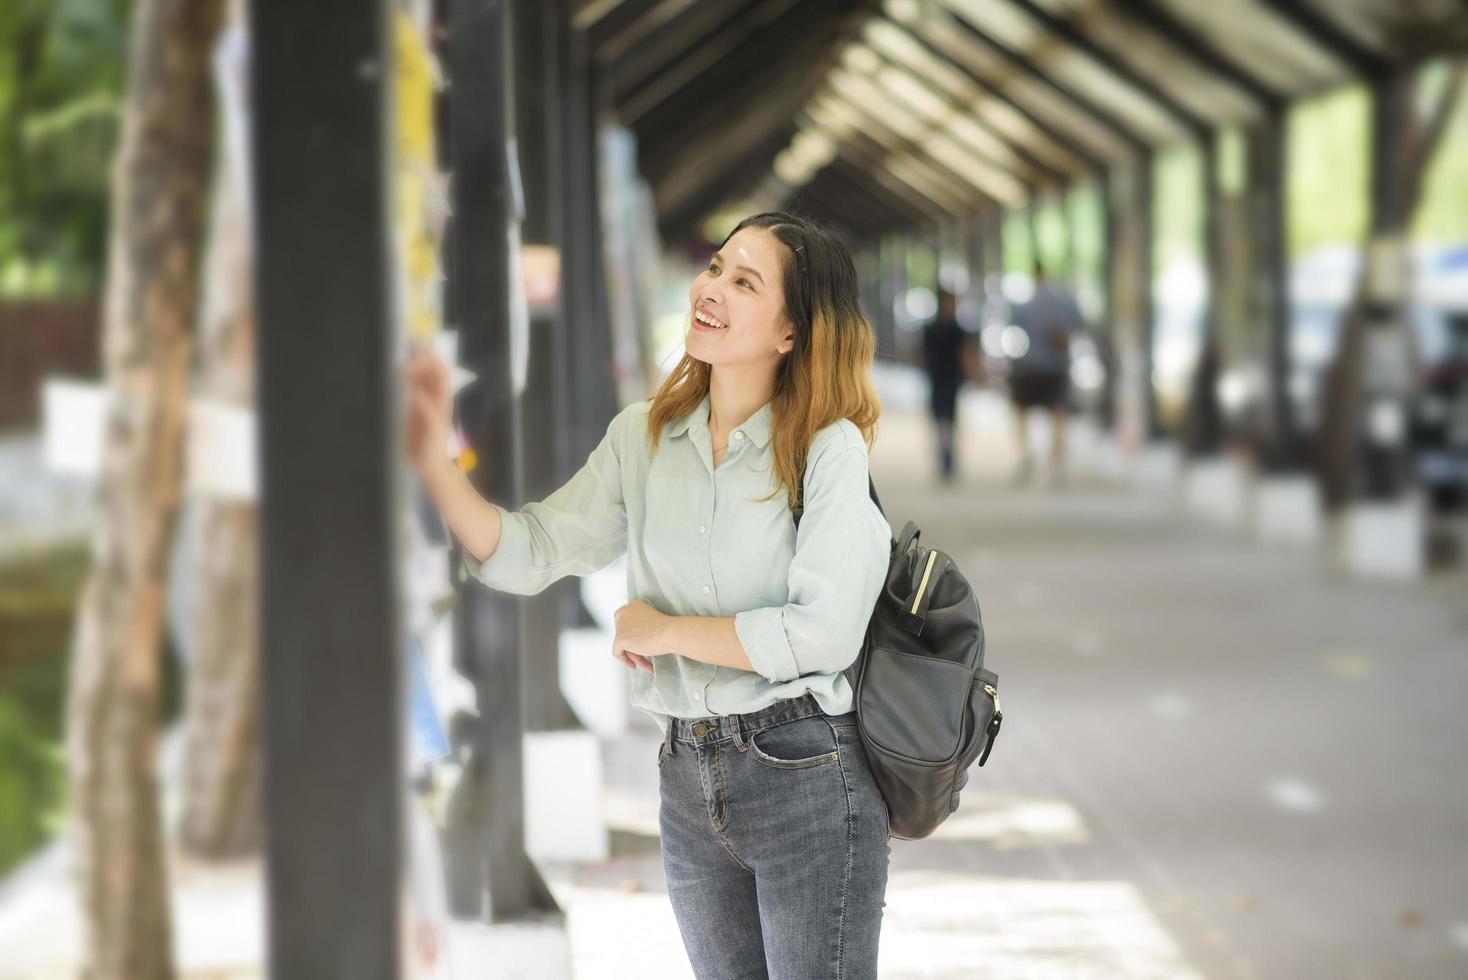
629,812
1028,595
1170,704
1351,664
1087,643
1011,823
1293,794
616,933
937,926
940,925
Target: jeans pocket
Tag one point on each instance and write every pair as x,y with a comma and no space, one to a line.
800,744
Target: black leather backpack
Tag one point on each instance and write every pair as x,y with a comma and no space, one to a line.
925,705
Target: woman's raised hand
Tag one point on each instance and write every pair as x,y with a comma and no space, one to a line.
430,409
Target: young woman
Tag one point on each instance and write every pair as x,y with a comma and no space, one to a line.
774,835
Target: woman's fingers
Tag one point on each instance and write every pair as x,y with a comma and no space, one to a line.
632,661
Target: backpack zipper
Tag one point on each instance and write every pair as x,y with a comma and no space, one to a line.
922,587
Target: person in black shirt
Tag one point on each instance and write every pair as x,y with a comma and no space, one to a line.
947,359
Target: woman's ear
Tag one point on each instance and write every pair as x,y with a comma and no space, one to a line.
787,342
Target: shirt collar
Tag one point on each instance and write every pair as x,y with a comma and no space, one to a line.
756,428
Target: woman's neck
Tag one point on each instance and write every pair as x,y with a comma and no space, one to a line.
732,400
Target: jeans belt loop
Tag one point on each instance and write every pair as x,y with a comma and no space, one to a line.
739,741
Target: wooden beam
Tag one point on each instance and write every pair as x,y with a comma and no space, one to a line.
871,165
1079,40
621,20
873,201
730,179
859,180
673,40
1323,32
946,173
785,65
723,65
865,152
1063,140
1123,130
1164,24
1046,171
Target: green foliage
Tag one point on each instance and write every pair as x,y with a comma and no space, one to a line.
1177,215
1019,250
1050,237
37,596
1442,217
1327,183
1088,220
62,72
922,265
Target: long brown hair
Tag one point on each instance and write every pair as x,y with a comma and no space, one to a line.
826,376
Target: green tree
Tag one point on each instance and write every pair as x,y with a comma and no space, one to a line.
62,64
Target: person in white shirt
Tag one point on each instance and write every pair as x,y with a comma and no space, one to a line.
774,833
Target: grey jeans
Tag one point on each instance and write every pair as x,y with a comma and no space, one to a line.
774,841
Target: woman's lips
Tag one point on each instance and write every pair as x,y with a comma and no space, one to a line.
700,325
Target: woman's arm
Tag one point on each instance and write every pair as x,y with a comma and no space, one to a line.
577,529
643,631
710,639
473,520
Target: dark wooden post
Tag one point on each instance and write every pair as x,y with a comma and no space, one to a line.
489,874
592,395
978,260
1270,299
544,416
889,255
1106,337
1203,434
1146,308
331,631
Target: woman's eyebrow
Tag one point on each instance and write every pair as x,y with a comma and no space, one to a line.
753,272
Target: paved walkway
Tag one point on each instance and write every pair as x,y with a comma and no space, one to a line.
1218,760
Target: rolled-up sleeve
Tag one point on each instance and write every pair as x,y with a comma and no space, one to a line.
841,555
577,530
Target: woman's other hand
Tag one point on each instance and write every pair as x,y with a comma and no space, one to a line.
639,632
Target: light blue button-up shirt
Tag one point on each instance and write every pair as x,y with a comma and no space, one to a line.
700,541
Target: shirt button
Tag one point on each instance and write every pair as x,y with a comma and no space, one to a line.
739,437
698,695
707,589
702,529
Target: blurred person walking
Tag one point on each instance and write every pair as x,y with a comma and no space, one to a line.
1040,377
948,359
773,832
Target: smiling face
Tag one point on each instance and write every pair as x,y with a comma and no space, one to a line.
738,303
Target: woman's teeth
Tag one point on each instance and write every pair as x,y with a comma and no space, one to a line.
708,321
